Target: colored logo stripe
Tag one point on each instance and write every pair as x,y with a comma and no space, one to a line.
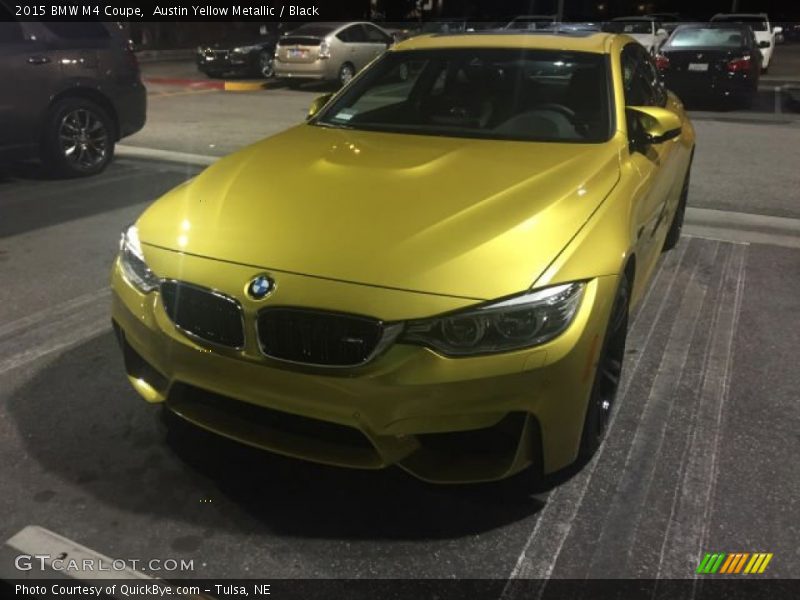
725,563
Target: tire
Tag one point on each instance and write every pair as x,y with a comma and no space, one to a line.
78,138
346,72
266,65
607,375
674,233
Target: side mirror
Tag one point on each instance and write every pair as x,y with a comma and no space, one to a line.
317,104
777,30
658,124
763,44
663,32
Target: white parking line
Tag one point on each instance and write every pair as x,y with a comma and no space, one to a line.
633,487
690,512
38,541
202,160
53,313
53,329
562,505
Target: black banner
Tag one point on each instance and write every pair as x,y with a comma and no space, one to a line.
705,588
187,10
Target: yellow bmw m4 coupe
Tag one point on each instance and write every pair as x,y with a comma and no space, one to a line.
434,271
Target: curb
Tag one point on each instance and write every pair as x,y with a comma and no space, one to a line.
184,82
164,55
204,84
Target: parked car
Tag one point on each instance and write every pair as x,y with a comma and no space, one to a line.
329,51
668,21
572,27
790,31
242,53
434,273
645,30
759,23
530,22
711,60
400,30
450,26
70,91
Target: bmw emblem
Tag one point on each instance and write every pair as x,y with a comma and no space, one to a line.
260,287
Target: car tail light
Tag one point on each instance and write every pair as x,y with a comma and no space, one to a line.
662,62
324,50
738,65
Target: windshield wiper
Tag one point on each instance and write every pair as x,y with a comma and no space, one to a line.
332,125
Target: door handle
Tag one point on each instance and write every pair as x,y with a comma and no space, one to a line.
38,60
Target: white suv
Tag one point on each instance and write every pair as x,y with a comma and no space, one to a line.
765,33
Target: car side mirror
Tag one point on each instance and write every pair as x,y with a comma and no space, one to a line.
777,30
764,44
317,104
658,124
662,31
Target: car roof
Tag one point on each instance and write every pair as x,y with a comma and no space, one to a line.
741,16
577,41
648,18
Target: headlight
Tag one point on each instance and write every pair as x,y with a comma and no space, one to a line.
522,321
246,49
131,259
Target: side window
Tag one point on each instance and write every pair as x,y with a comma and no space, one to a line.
10,31
640,78
353,34
345,35
375,35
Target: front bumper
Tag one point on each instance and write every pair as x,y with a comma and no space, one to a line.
441,419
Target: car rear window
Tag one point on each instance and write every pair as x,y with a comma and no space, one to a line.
708,38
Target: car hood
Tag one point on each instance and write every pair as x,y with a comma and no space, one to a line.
452,216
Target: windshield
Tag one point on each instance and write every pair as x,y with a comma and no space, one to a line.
756,23
532,95
628,27
707,38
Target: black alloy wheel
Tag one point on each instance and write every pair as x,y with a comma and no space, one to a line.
675,228
608,374
78,138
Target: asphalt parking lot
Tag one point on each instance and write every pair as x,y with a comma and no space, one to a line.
701,455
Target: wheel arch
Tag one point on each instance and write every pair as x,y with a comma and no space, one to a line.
93,95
